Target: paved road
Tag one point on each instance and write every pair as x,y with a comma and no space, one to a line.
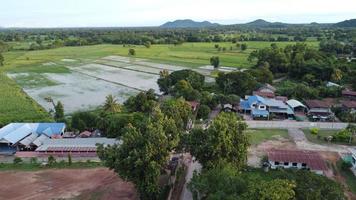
193,166
302,143
296,125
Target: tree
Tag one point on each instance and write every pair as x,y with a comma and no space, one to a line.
337,75
164,81
111,105
142,102
239,83
224,141
59,112
212,184
195,79
243,47
262,73
179,110
84,120
214,61
132,52
1,59
141,156
147,44
203,112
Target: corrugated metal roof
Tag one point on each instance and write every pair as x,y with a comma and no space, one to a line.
18,134
29,139
39,141
311,158
14,132
295,103
75,143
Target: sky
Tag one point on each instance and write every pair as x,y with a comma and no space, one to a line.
129,13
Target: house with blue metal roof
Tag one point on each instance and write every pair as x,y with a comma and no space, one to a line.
16,136
263,108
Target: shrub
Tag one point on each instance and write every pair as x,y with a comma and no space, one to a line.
314,131
343,136
17,160
51,160
203,112
33,160
69,159
345,165
132,52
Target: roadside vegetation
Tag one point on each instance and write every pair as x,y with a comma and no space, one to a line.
34,164
257,136
344,137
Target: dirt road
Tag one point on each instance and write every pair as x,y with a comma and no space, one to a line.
302,143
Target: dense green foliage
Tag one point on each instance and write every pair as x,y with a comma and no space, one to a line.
239,83
111,105
255,184
143,102
143,153
224,141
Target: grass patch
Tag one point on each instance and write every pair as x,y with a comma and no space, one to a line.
16,106
257,136
57,165
324,133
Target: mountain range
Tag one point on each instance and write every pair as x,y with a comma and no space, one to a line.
260,23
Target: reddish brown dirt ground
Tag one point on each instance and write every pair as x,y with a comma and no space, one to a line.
98,184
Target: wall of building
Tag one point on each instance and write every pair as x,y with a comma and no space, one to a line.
289,165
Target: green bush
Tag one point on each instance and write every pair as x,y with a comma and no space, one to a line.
343,136
51,160
314,131
345,165
17,160
33,160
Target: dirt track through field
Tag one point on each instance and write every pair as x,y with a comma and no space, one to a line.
65,184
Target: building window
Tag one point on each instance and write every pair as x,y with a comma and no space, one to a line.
286,163
304,165
276,163
295,164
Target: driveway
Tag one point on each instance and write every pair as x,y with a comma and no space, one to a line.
302,143
192,166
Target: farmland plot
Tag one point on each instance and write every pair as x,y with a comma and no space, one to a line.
78,92
132,79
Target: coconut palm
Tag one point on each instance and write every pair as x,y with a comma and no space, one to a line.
111,105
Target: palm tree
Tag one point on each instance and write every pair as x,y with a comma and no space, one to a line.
111,105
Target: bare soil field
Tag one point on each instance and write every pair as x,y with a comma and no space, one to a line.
73,184
256,152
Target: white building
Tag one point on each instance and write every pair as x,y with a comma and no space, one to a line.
308,160
353,154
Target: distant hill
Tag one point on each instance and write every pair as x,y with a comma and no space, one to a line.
346,24
188,23
260,23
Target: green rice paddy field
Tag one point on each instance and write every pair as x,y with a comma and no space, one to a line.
15,105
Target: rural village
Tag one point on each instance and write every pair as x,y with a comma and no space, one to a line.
187,110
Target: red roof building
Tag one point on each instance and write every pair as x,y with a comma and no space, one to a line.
194,105
297,159
264,94
349,94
